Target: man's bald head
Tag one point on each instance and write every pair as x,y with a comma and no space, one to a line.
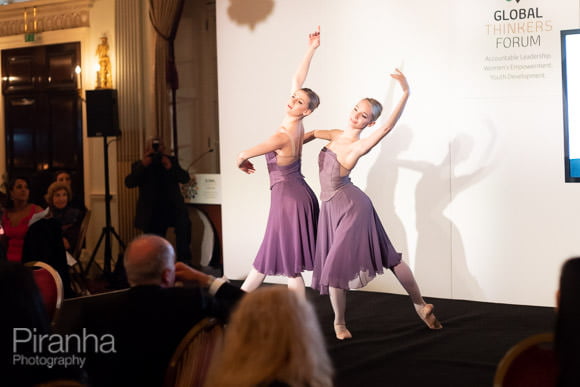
150,260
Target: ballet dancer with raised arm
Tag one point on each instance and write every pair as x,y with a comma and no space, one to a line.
288,246
352,245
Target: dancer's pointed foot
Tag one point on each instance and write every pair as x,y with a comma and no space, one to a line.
427,315
341,332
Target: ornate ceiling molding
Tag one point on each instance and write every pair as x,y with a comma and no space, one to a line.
51,15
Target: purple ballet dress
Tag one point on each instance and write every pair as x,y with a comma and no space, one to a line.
289,242
352,245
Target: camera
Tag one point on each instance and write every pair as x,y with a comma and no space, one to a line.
156,155
155,145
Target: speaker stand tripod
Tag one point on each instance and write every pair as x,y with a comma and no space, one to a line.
108,230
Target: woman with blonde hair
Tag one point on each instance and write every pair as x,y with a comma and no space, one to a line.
288,245
273,339
352,245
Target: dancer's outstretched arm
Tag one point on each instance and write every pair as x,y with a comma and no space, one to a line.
322,134
302,71
366,144
276,141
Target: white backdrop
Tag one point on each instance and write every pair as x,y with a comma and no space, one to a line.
470,185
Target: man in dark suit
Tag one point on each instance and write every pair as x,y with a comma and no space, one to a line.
160,203
148,321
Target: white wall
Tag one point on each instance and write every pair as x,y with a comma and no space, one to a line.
469,186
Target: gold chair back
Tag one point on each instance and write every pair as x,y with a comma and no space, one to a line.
529,363
50,285
192,358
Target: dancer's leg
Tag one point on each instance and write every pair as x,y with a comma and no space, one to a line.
338,302
424,310
253,280
405,276
297,285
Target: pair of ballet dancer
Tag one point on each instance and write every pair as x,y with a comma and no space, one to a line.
343,242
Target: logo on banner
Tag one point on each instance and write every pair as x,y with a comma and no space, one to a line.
517,27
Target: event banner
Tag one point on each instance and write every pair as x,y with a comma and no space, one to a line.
511,48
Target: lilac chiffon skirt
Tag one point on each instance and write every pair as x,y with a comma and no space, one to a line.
352,245
289,242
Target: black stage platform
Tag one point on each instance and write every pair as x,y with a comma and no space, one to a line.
392,347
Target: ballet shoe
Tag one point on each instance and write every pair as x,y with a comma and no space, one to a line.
426,314
341,332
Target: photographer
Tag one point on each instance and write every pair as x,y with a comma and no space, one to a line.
160,204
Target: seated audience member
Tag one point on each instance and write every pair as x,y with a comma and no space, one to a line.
58,199
47,238
65,177
22,312
149,320
273,339
16,218
567,335
44,242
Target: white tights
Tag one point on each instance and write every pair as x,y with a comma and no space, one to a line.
255,279
403,274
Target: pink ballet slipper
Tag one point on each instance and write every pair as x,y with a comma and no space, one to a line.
426,314
341,332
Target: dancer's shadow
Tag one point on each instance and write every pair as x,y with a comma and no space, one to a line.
440,258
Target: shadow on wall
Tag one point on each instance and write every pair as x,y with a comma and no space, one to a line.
432,223
435,230
250,12
465,146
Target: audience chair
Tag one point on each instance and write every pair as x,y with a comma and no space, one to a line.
50,286
76,253
529,363
192,358
77,272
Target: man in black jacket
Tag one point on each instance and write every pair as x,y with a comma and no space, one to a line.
160,204
148,321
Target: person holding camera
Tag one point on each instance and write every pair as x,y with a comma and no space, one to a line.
160,204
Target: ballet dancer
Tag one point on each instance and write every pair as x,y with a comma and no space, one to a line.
352,246
288,246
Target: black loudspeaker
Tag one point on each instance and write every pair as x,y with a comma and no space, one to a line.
102,113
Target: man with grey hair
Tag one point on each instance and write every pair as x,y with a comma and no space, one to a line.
149,320
150,260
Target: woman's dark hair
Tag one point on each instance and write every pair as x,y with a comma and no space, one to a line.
567,336
60,172
20,299
12,182
22,307
10,187
313,97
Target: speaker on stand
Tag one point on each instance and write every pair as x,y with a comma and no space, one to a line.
102,113
103,121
